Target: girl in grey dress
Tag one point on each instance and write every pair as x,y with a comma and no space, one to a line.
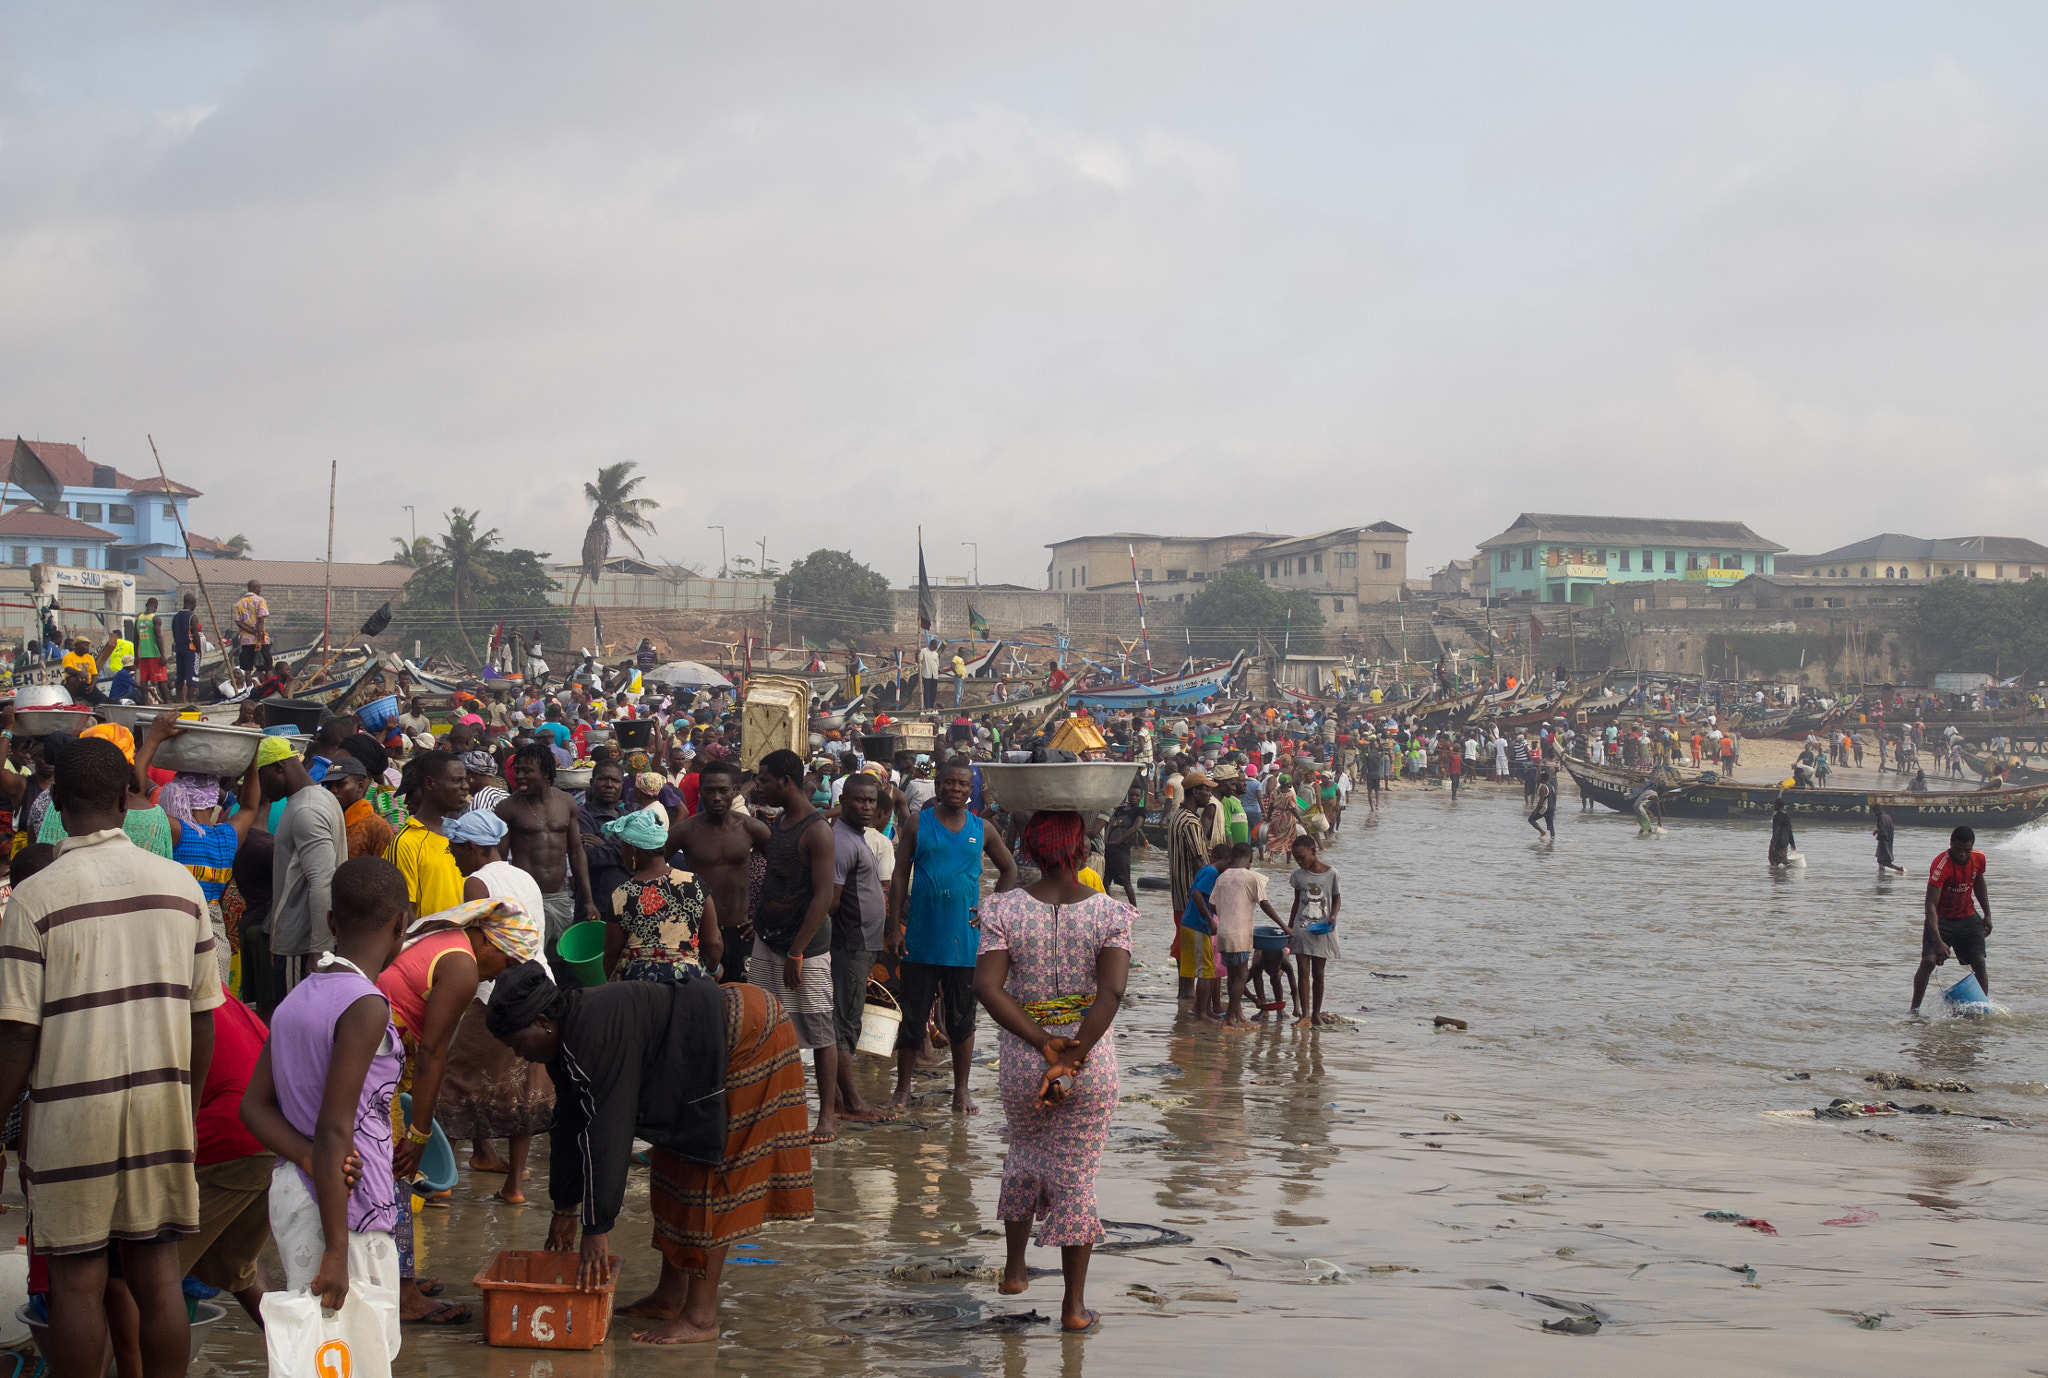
1312,925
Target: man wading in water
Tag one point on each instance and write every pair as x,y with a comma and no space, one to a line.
718,845
547,846
1955,892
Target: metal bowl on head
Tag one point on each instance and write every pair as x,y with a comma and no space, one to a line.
1083,786
567,777
206,748
136,717
41,696
41,722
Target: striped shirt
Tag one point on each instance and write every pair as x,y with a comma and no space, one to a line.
108,952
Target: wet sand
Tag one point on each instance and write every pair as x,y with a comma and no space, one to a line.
1637,1009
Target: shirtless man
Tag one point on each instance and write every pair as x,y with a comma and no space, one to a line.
718,845
545,842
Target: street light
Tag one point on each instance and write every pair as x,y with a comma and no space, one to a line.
977,561
415,523
761,570
721,548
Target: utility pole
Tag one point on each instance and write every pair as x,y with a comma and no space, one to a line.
721,548
415,522
977,561
761,571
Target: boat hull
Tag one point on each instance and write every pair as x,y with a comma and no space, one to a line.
2005,808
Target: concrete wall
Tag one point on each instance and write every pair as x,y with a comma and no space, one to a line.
1109,612
1840,648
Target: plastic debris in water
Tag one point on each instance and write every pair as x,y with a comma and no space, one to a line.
1857,1215
1870,1320
1731,1218
1898,1081
1573,1325
1322,1270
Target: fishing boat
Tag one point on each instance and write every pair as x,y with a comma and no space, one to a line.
1703,798
1176,692
2016,772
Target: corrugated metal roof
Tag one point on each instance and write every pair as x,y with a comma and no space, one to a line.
1628,531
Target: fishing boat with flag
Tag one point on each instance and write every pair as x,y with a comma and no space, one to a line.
1190,686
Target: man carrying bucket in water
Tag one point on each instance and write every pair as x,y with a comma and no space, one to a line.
1955,893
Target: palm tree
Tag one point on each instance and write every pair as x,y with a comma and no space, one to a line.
238,546
462,550
417,554
613,508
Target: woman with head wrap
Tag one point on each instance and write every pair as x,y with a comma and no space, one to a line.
651,1059
431,984
662,924
202,841
489,1092
147,826
1053,961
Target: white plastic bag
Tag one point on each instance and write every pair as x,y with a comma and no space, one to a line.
305,1340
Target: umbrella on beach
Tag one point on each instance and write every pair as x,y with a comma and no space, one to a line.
688,674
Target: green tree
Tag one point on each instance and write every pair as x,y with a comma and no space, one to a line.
238,546
508,584
1237,605
417,553
463,550
615,508
1999,629
829,593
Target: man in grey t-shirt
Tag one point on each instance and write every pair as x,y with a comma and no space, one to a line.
859,912
312,841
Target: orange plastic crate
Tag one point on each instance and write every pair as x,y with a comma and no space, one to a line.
531,1301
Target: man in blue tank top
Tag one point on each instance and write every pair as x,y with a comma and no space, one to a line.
933,903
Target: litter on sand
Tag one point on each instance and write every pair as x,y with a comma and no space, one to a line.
1575,1325
1444,1021
1390,975
1747,1223
1856,1215
1870,1320
1898,1081
1842,1108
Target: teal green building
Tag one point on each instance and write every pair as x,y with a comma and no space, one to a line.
1545,557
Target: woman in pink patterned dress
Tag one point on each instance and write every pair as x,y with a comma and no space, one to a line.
1053,961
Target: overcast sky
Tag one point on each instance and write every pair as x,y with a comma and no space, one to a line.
1020,272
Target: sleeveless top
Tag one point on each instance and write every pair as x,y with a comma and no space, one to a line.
941,927
301,1046
208,852
409,979
786,891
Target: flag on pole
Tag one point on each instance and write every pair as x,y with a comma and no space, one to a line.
976,622
927,607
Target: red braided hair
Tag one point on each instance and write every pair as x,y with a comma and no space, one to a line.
1057,840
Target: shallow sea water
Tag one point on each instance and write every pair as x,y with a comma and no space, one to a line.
1385,1193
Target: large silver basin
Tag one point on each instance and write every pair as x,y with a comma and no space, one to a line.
41,722
206,748
1083,786
41,696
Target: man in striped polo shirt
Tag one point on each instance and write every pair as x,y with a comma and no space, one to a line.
107,990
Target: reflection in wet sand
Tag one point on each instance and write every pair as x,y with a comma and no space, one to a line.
1634,1009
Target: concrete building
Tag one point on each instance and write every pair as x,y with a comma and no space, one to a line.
31,535
1339,569
1168,566
1894,556
1554,558
625,582
140,517
1453,578
2005,558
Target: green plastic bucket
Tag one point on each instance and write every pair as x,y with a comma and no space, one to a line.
582,951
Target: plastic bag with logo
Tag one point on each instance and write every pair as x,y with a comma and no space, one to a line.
305,1340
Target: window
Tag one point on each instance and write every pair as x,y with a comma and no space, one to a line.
1528,557
21,555
1890,573
1649,560
1347,559
1084,576
49,555
1866,572
1624,562
2026,571
1507,559
1145,575
1973,571
1642,604
1382,560
78,560
170,512
121,514
1319,564
133,563
1062,580
1273,570
1174,574
1671,562
1692,559
1731,562
89,512
1998,571
1336,605
1945,570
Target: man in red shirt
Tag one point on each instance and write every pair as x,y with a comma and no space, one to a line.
1954,927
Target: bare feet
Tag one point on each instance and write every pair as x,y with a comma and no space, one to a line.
870,1114
963,1104
1304,1022
1014,1279
1085,1320
653,1307
510,1195
479,1161
824,1134
676,1332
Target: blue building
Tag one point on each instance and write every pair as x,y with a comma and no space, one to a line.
1549,557
134,518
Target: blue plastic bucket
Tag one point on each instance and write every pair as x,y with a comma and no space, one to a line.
437,1160
1269,940
1967,992
376,714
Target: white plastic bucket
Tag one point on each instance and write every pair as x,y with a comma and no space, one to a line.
880,1022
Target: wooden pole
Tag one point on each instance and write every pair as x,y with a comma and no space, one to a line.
197,577
327,596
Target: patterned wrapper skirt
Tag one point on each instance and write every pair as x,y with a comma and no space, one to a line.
1049,1171
488,1091
766,1172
